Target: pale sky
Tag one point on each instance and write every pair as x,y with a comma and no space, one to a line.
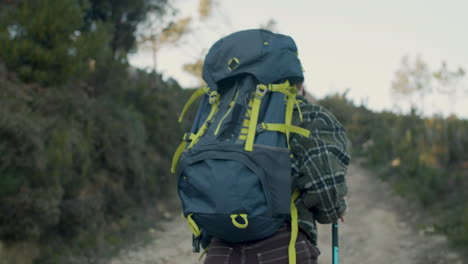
355,44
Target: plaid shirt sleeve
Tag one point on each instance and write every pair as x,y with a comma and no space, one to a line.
319,164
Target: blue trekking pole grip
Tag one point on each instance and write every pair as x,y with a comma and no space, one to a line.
335,258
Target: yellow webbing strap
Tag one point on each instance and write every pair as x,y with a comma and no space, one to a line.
204,127
199,92
179,150
200,132
286,128
237,224
175,158
193,226
259,93
285,89
203,254
288,115
294,229
279,86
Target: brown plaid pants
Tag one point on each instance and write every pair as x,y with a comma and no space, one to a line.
272,250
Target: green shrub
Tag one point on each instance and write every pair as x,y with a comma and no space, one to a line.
425,159
74,165
43,41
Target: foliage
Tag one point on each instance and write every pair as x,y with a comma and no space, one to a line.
175,31
414,81
52,42
49,49
72,164
271,25
205,8
158,33
447,80
124,16
424,158
412,78
85,140
196,70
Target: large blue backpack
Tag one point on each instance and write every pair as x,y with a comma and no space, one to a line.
233,168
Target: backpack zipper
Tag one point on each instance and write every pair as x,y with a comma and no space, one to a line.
231,104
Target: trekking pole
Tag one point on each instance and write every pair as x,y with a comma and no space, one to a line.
335,259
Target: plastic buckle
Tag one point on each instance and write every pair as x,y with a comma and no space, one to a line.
260,128
208,123
213,96
260,91
195,244
186,136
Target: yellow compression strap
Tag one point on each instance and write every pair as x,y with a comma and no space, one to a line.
237,224
179,150
193,226
214,97
286,128
294,229
285,89
175,158
259,93
288,116
199,92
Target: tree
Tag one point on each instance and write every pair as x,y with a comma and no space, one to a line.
412,80
159,32
52,42
205,8
156,37
196,69
124,16
42,42
448,82
271,25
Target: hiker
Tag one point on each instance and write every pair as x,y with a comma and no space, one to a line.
261,165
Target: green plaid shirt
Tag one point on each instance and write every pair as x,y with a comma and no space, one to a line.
319,167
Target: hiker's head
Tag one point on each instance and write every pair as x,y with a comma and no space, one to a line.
300,88
299,83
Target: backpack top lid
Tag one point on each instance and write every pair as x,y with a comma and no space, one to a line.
268,56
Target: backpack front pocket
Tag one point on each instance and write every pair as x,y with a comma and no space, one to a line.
223,186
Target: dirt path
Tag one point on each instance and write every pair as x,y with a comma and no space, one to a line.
379,228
